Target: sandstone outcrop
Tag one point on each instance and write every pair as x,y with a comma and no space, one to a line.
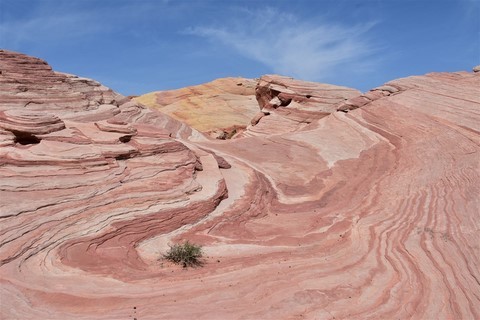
220,108
80,166
369,212
288,105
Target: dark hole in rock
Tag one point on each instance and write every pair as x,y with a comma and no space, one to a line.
274,93
285,102
25,138
308,96
125,139
231,134
122,157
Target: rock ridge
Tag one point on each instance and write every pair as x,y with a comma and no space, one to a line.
335,204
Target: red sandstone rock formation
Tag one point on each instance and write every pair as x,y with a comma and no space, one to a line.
371,212
291,105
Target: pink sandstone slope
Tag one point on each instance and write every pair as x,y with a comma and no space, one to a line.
369,212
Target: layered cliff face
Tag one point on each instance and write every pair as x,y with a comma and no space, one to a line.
366,208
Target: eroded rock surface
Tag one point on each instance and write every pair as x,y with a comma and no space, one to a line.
289,105
220,108
372,213
86,176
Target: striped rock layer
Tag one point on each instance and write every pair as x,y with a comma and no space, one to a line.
368,211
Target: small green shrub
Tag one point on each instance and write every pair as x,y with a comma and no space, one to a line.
186,254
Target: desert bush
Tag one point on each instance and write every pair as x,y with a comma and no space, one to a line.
186,254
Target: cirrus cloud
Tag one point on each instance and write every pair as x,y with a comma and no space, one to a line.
310,50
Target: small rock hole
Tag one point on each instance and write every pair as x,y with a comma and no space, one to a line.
285,102
123,156
125,139
25,138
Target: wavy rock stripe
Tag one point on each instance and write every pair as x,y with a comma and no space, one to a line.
367,213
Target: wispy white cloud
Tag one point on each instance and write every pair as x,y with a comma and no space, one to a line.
305,49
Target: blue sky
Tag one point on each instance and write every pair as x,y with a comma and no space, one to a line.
138,46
